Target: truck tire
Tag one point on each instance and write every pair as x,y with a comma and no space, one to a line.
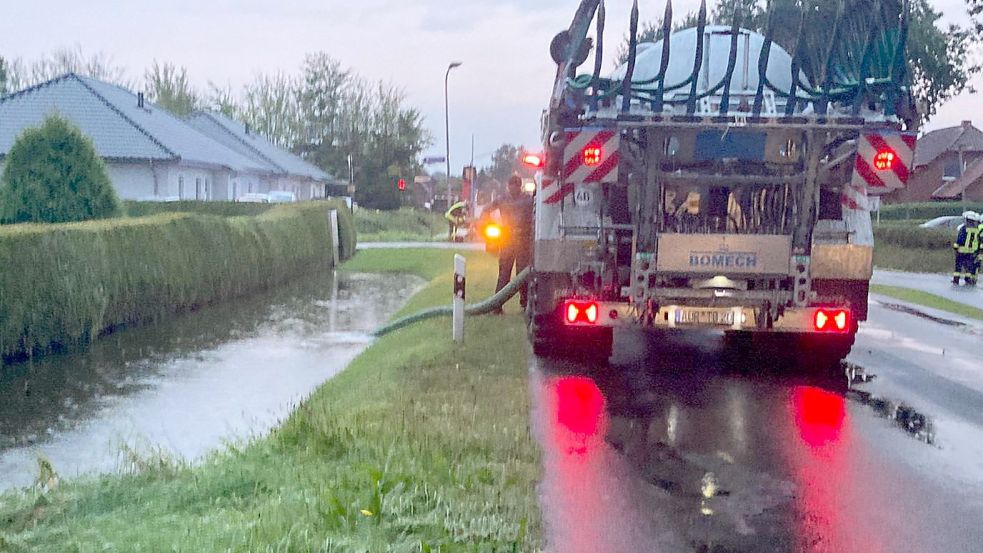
550,338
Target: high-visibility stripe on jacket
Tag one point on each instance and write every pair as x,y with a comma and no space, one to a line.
967,240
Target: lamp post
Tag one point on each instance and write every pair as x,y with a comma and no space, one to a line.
447,128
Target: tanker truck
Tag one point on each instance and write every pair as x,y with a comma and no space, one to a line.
717,181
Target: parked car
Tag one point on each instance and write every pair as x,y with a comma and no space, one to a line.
949,222
253,198
282,197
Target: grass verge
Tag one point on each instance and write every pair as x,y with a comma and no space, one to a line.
925,299
420,445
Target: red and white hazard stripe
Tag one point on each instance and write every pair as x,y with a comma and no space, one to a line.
884,161
590,156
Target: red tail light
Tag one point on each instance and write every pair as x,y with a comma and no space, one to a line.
884,160
582,312
836,320
592,156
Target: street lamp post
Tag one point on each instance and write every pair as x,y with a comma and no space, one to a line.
447,129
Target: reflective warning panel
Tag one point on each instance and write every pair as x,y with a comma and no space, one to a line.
591,156
884,161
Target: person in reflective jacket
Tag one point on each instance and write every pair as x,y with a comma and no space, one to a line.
967,249
517,216
457,217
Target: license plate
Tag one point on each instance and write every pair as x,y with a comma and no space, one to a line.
704,317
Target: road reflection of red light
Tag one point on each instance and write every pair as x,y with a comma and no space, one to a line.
579,405
576,485
819,415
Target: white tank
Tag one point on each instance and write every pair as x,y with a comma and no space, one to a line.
716,52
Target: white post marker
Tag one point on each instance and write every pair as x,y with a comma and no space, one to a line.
460,273
335,239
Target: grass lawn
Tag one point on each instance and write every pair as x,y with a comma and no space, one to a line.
420,445
925,299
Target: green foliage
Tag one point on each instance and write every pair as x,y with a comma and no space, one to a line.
61,286
395,226
420,445
221,209
925,211
909,248
54,175
925,299
168,87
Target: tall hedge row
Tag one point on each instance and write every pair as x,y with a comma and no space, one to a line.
63,285
222,209
926,210
914,237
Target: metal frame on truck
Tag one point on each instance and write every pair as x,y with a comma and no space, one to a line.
721,201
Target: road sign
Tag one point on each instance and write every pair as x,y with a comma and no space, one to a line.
434,160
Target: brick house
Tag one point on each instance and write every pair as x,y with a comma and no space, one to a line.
948,166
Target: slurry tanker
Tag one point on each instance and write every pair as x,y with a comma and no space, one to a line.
716,181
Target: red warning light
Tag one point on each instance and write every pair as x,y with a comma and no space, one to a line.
592,156
535,161
401,184
884,160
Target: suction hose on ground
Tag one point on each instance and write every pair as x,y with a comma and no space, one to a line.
482,308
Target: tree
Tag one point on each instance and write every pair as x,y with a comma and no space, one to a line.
5,77
98,66
271,108
54,175
168,87
649,31
504,163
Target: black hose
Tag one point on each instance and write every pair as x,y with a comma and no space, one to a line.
490,305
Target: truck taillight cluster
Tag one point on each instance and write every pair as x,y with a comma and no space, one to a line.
581,312
832,320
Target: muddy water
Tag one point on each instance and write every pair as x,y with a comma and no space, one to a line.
191,383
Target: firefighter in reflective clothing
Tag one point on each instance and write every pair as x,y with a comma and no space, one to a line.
457,217
967,248
517,216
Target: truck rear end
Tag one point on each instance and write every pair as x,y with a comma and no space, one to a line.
723,192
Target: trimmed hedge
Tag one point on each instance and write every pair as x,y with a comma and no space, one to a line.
927,210
63,285
914,237
221,209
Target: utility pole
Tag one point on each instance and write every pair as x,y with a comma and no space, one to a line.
447,128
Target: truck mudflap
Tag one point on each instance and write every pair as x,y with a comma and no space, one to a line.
585,313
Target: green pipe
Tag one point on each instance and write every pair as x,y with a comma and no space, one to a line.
482,308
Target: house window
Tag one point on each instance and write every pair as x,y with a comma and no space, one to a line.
208,189
180,187
953,168
197,188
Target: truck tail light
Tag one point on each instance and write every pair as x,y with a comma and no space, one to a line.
582,312
592,156
835,320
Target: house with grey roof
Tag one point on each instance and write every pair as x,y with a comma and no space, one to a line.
291,172
153,155
948,166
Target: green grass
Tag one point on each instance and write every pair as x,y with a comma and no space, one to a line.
925,299
924,211
404,225
420,445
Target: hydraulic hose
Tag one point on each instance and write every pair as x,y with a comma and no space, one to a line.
482,308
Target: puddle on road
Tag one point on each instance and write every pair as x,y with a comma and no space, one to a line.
192,382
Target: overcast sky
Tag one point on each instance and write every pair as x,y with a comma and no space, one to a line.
497,95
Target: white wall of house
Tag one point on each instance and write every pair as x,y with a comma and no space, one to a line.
135,181
191,183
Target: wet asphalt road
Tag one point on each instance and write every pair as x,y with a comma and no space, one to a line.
663,450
